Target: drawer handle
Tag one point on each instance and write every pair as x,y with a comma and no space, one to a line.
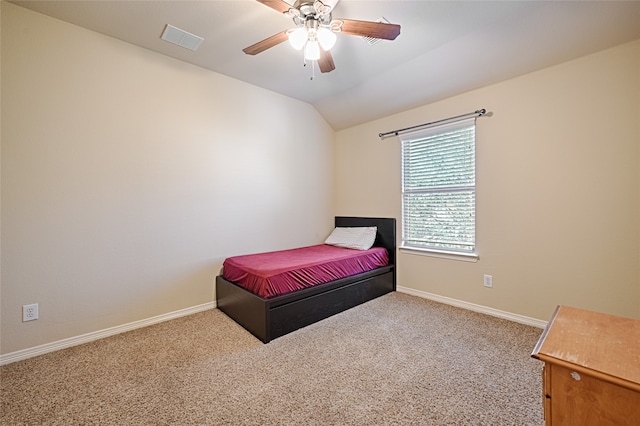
575,375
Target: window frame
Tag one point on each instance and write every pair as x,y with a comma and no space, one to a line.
421,135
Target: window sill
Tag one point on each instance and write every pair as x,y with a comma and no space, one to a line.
441,254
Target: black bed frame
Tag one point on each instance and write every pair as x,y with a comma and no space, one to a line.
270,318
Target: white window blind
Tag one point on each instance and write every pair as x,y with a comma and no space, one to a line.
438,188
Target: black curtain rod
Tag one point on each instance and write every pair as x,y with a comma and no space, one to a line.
479,113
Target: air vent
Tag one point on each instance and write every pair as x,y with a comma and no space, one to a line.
181,38
371,40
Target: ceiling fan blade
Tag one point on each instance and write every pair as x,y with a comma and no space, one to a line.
325,63
277,5
370,29
265,44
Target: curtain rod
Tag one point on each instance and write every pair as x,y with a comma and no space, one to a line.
479,113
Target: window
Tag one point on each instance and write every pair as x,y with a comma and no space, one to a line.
438,188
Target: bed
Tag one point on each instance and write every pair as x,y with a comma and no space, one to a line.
274,316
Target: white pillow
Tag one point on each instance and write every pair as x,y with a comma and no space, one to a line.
359,238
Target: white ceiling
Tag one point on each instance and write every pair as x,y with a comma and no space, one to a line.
444,48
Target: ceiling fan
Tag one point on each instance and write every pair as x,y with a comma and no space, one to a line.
315,30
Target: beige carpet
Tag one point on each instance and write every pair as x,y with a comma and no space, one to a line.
397,360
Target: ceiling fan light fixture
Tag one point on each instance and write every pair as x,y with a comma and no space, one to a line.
298,38
312,51
315,30
326,38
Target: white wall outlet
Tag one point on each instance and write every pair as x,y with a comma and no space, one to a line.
488,280
29,312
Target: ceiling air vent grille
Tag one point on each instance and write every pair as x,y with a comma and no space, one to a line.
371,40
182,38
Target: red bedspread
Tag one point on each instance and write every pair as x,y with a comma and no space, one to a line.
280,272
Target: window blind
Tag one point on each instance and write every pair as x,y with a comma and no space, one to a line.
438,187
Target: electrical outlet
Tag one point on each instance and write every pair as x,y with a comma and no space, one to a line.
488,281
29,312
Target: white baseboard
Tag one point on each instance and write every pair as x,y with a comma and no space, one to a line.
100,334
476,308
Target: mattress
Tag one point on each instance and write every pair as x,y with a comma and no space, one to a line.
280,272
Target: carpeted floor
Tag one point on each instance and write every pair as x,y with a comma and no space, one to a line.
397,360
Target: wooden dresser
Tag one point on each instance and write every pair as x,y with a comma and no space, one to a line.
591,369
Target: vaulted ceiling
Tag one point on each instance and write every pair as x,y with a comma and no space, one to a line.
444,48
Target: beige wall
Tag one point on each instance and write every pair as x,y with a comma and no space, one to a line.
127,177
558,189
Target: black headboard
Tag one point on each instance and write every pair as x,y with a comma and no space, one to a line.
386,236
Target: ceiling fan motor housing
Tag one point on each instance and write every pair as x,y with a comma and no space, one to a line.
305,10
305,7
